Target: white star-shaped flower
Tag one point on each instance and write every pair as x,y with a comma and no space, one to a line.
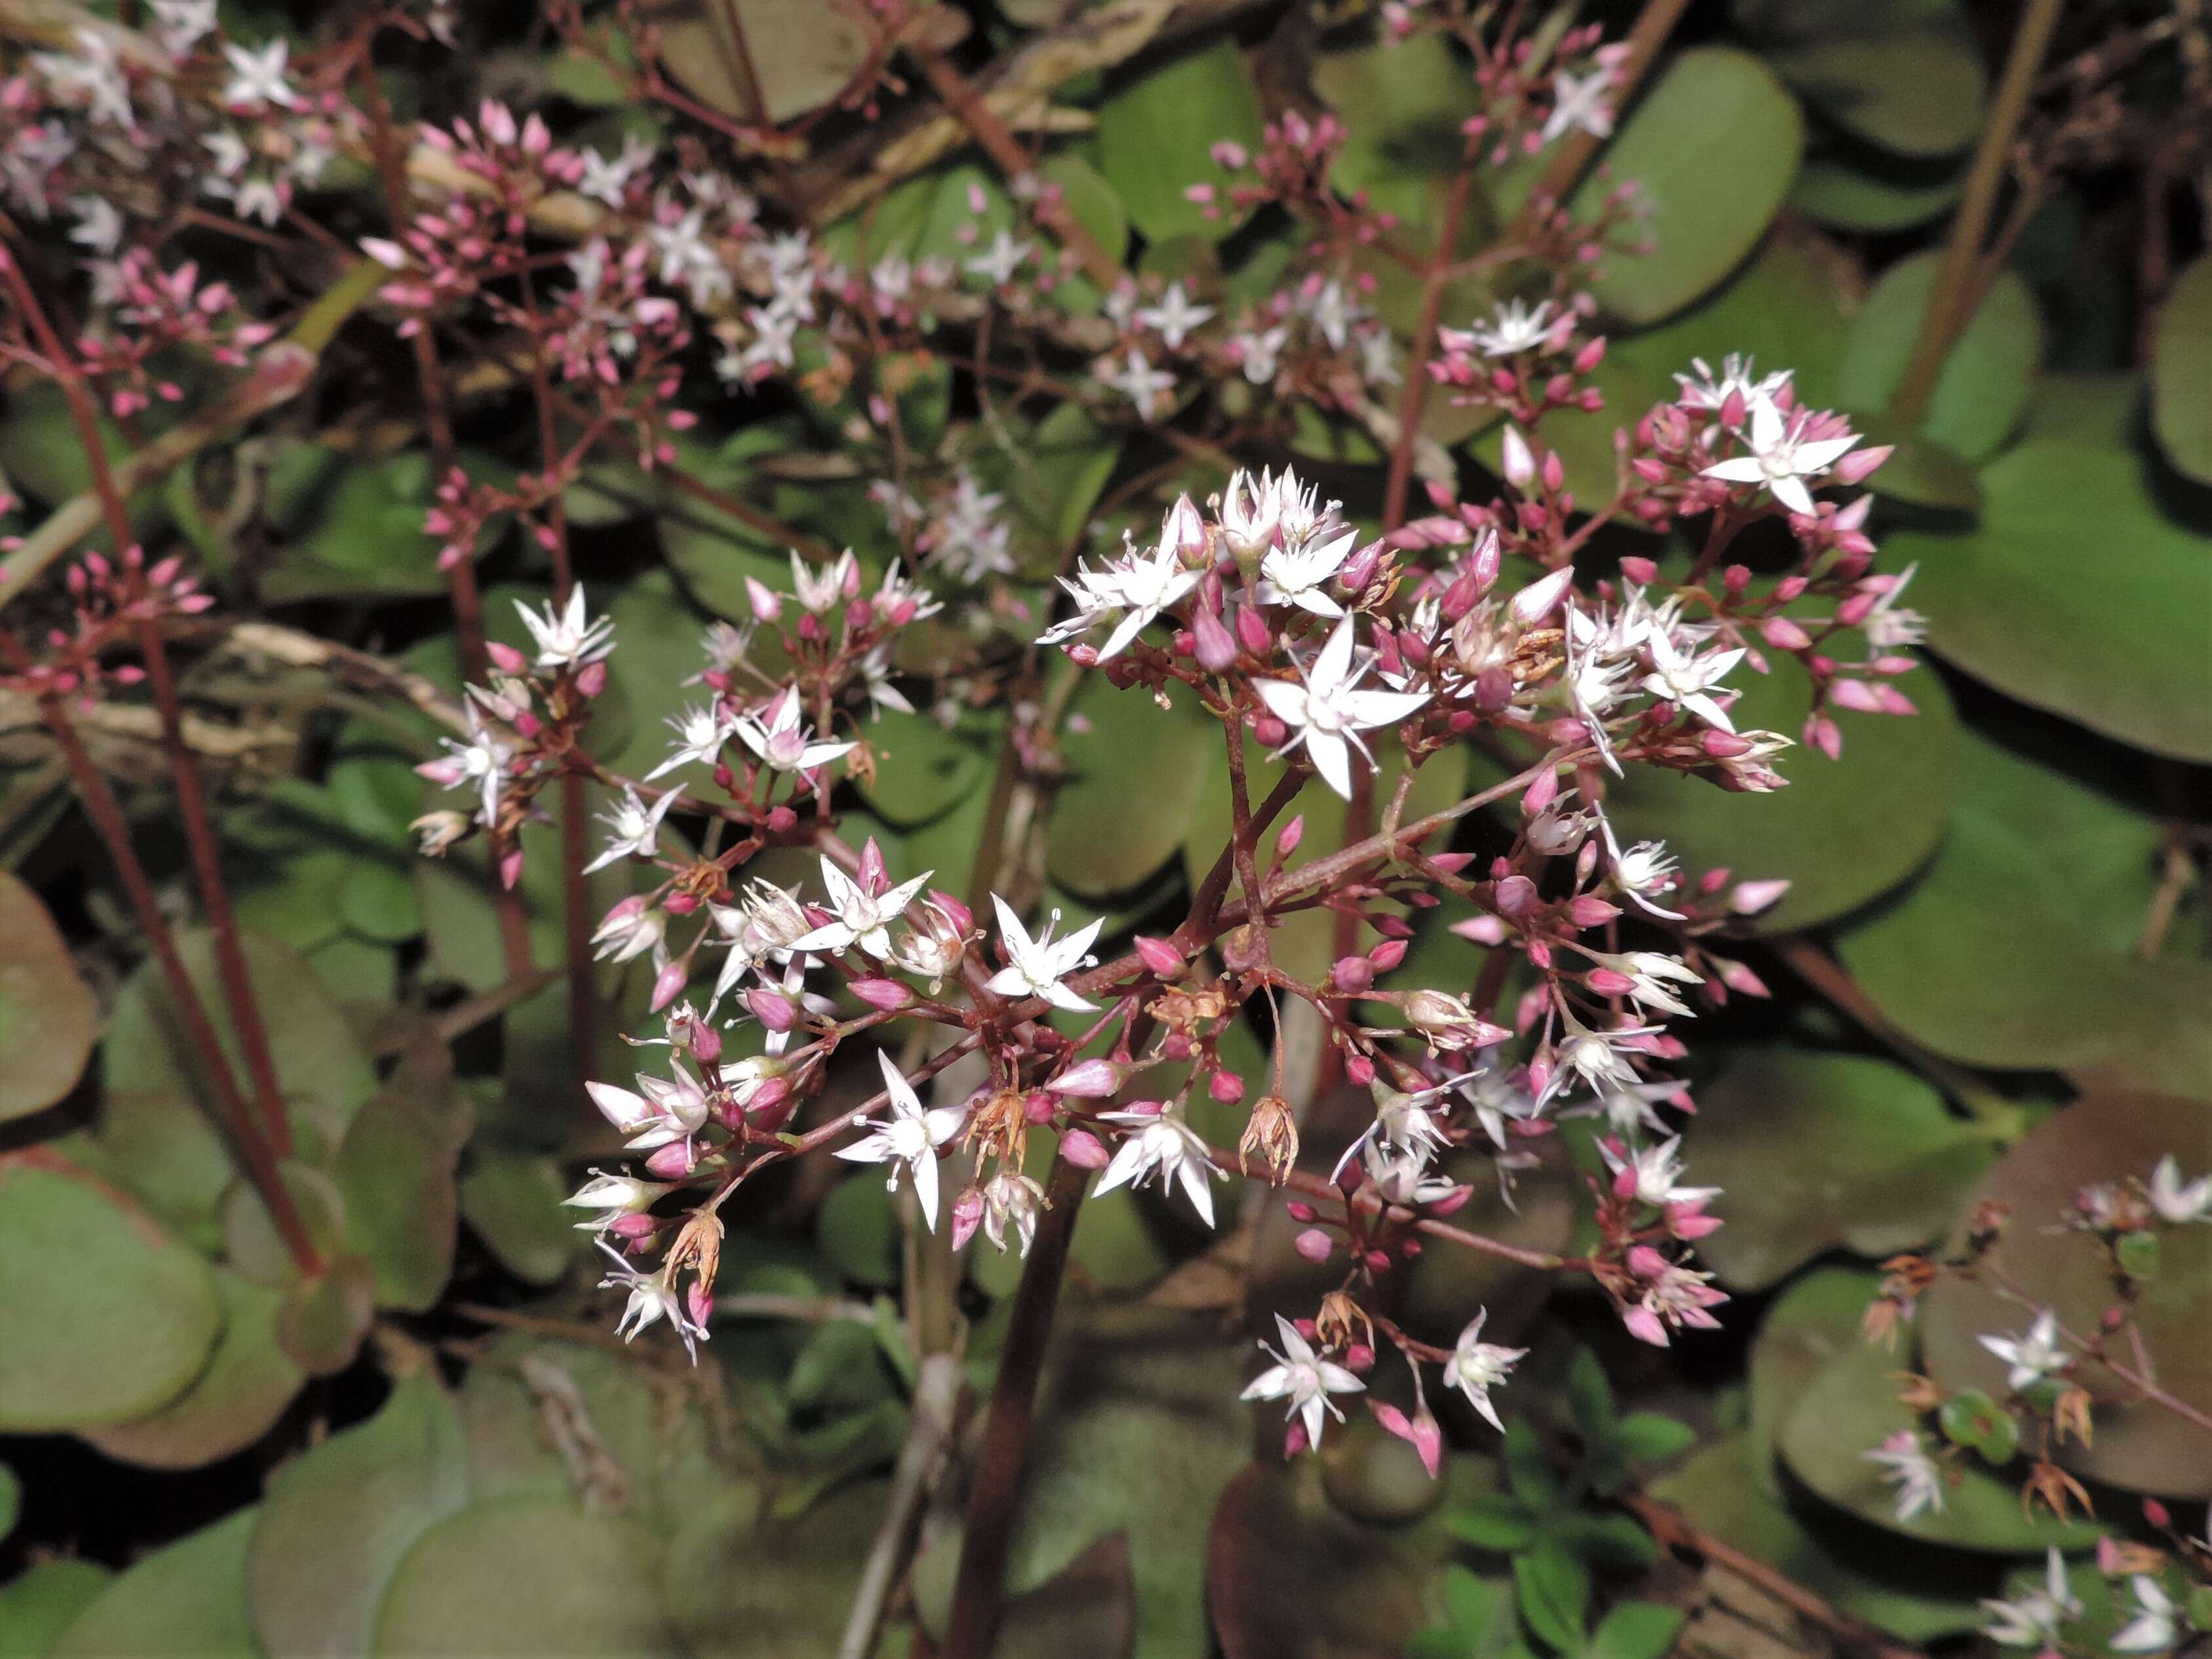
1139,585
1328,711
2177,1203
258,78
1163,1144
1299,574
1684,678
2032,1356
568,638
1305,1378
2154,1627
700,734
1513,328
782,740
1000,260
652,1297
633,828
1175,316
1906,1462
864,919
1143,384
1036,966
1580,103
908,1139
1653,1174
1476,1367
1781,458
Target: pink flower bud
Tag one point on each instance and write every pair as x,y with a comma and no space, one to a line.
1352,974
1287,842
1518,465
1360,1357
1252,631
670,1162
1751,897
1586,910
957,913
1226,1087
1159,957
1271,733
1314,1244
1855,467
1645,1262
767,603
1854,695
966,1216
882,994
1213,644
1388,955
1540,793
1088,1079
706,1043
637,1225
1084,1150
772,1008
668,983
1785,635
1517,896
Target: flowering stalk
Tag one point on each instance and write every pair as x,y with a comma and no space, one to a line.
199,832
246,1139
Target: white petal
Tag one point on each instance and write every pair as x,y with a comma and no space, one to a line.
1332,758
925,1187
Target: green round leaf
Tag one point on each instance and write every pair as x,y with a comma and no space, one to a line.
1814,1151
395,1173
2077,594
1907,74
1134,774
2015,947
801,56
1155,138
1843,831
514,1203
338,1521
739,1585
1812,1323
187,1597
47,1015
2137,1446
1983,389
592,1586
162,1147
248,1382
1403,105
1713,146
1287,1577
923,769
1851,1408
319,1058
1833,192
2181,373
41,1602
106,1315
377,898
320,1321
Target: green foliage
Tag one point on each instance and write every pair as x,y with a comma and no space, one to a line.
1155,138
47,1015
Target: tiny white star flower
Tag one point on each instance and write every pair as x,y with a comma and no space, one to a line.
1653,1175
611,1195
1580,103
864,919
1143,384
1334,312
1299,574
660,1111
908,1139
2178,1204
1036,966
568,638
2156,1626
701,733
1328,711
652,1297
183,24
1684,678
258,78
1476,1367
1175,316
1513,328
782,740
1001,260
2032,1618
1261,353
2032,1356
98,225
481,761
633,828
1906,1463
1781,458
1303,1377
1888,626
1708,391
1139,585
1162,1144
819,591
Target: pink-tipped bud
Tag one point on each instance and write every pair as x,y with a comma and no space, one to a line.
1226,1087
1159,957
1084,1150
883,994
772,1008
1314,1244
1517,896
966,1216
1785,635
1856,467
668,984
957,913
1271,733
1212,643
1586,910
767,603
1518,465
1089,1080
1252,631
1388,955
1352,974
1640,570
1751,897
670,1162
